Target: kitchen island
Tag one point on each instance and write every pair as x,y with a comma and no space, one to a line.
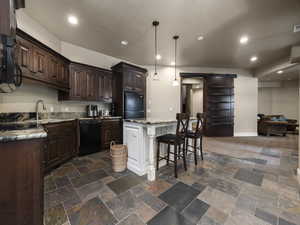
140,138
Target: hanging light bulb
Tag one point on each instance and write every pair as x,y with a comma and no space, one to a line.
155,76
175,81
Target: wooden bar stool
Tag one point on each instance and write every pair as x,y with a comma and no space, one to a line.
195,134
175,140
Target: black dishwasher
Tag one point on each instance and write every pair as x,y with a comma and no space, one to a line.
90,136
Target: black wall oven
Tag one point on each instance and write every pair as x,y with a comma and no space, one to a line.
134,105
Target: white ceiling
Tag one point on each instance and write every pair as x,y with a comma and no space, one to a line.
291,73
103,24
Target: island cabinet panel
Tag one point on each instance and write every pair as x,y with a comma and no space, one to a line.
88,83
41,64
21,189
62,143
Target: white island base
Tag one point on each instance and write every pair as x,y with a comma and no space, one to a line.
140,138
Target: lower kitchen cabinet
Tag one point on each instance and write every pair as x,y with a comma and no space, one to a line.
22,177
111,130
62,143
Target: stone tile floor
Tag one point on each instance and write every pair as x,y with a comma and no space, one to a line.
242,181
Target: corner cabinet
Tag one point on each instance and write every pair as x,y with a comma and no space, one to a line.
111,130
88,83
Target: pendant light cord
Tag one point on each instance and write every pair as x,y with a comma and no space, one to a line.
155,39
175,38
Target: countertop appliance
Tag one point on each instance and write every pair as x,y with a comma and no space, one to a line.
93,111
134,105
90,136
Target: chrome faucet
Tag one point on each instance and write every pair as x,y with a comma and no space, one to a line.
37,110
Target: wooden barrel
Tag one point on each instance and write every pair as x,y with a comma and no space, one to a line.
119,156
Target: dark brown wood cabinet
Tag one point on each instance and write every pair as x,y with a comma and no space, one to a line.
127,77
41,64
62,143
22,177
111,130
88,83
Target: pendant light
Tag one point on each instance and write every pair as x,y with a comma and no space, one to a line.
155,24
175,81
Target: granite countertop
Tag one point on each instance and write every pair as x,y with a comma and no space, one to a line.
153,121
18,135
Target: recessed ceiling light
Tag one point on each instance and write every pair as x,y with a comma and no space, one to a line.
73,20
200,38
172,63
280,72
124,42
253,58
158,57
244,40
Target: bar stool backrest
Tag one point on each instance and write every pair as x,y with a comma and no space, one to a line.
182,124
200,123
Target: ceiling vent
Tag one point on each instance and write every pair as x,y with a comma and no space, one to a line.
297,28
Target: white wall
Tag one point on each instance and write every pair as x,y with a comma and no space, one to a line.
196,101
164,99
279,99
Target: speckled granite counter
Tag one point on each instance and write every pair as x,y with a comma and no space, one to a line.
153,121
18,135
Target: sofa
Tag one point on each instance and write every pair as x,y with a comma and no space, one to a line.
275,125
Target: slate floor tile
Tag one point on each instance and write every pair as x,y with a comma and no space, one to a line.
92,212
133,219
62,181
55,215
88,178
249,177
284,222
90,191
124,183
184,195
154,202
168,216
145,212
268,217
195,210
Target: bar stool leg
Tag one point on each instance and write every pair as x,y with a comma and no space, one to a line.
184,158
168,157
186,146
157,155
175,160
195,150
201,147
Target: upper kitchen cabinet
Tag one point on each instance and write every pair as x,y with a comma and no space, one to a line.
88,83
41,64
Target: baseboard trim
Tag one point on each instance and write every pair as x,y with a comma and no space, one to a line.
245,134
298,175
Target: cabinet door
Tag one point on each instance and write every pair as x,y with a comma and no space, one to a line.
63,74
24,56
139,82
100,81
132,142
40,64
52,69
129,80
77,84
107,88
91,85
53,151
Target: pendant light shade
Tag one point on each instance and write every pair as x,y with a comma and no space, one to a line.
155,24
175,81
